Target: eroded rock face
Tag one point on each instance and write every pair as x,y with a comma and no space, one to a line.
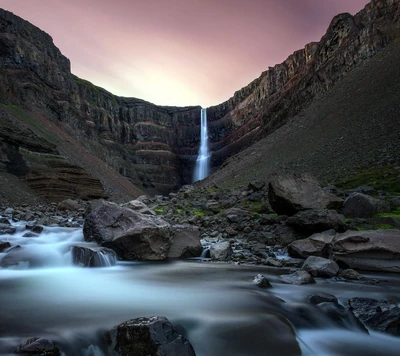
148,336
316,245
375,250
293,193
320,267
136,236
317,220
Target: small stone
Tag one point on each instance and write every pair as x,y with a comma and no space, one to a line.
261,281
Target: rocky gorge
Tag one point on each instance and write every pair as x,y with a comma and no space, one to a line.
95,261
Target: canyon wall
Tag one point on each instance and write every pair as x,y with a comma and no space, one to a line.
155,147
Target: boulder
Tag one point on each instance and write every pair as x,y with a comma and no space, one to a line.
38,346
351,274
378,315
261,281
86,256
221,251
316,220
136,236
298,277
322,298
139,206
6,229
374,250
315,245
359,205
293,193
4,245
320,267
69,205
147,336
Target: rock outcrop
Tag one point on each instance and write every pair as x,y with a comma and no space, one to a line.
136,236
154,146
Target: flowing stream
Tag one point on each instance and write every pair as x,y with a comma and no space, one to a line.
217,306
202,169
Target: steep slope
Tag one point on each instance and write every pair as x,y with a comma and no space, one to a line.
353,127
128,143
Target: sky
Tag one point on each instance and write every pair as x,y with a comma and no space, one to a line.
179,52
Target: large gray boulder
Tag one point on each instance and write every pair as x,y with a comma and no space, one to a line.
320,267
359,205
221,251
317,220
374,250
293,193
136,236
38,346
316,245
147,336
298,277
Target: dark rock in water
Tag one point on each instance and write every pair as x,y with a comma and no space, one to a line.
315,245
148,336
341,316
7,229
291,194
39,347
261,281
378,315
298,277
4,245
4,221
35,228
30,234
317,220
322,298
350,274
136,236
93,256
221,251
320,267
375,250
359,205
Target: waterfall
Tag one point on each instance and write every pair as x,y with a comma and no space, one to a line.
203,159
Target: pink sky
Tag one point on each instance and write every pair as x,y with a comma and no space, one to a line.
179,52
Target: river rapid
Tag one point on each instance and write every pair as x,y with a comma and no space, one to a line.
216,306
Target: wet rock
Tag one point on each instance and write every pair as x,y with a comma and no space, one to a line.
7,229
38,347
34,228
148,336
317,220
351,274
185,242
320,267
30,234
86,256
4,245
270,261
293,193
359,205
375,250
322,298
378,315
261,281
315,245
5,221
221,251
298,277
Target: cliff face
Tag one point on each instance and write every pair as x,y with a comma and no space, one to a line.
155,147
285,89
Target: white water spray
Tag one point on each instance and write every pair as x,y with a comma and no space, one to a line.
202,168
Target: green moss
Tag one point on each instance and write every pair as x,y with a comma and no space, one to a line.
159,211
386,178
198,213
392,214
179,210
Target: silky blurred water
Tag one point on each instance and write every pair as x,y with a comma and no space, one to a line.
216,305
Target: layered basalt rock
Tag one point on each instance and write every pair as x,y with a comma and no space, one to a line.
156,146
285,89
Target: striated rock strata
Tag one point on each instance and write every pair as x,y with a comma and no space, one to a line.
155,147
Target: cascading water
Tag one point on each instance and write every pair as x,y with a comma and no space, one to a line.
202,168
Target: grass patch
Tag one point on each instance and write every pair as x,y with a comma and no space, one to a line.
386,178
179,210
159,211
392,214
198,213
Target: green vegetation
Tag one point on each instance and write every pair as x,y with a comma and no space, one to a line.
179,210
198,212
386,178
392,214
159,211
